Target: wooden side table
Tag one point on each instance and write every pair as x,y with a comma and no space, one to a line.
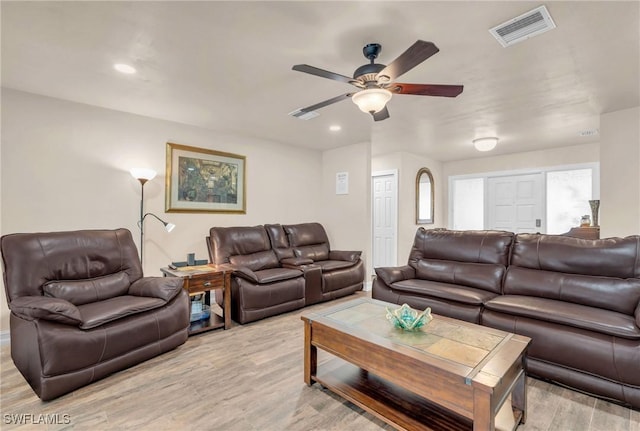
205,279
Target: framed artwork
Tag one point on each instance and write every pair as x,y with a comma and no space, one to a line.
202,180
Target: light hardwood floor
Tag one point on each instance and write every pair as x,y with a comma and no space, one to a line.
250,378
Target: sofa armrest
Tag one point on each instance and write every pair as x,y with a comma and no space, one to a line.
246,273
43,307
295,262
397,273
350,256
165,288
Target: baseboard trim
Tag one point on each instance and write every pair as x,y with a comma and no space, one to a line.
367,286
5,339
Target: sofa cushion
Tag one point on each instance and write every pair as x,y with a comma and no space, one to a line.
610,257
564,313
615,294
98,313
256,261
165,288
277,274
485,246
80,292
315,252
451,292
484,276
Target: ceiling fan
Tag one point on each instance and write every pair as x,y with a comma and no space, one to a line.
376,81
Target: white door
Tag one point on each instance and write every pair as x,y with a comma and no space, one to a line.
385,208
516,203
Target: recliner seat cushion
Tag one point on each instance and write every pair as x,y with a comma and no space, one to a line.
80,292
98,313
450,292
276,274
564,313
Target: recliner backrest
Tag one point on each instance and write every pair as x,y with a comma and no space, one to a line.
603,273
70,263
279,241
308,240
247,246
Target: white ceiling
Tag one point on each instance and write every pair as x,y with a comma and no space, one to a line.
227,66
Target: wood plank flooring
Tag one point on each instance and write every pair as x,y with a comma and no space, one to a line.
249,378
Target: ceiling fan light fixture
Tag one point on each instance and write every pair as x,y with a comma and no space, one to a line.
485,144
372,100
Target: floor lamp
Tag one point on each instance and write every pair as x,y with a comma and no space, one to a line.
143,175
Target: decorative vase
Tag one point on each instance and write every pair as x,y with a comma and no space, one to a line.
595,206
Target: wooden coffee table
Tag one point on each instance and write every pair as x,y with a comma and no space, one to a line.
451,375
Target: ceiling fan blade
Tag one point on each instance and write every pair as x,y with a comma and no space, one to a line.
416,54
322,73
382,114
426,89
327,102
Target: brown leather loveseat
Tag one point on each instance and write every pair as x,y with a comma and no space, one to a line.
578,300
81,308
280,268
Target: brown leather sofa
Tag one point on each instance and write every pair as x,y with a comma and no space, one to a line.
280,268
579,300
81,308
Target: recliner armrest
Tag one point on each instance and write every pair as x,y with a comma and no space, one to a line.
397,273
43,307
350,256
165,288
246,273
295,262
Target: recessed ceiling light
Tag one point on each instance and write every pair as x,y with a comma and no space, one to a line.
335,128
124,68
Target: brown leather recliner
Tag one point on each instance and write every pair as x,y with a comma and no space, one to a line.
81,308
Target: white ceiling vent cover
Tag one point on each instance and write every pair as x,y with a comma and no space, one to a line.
532,23
304,115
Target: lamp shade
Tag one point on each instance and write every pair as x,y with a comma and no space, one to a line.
485,144
371,100
143,174
169,227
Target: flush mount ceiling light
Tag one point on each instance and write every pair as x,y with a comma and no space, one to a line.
124,68
485,144
371,100
335,128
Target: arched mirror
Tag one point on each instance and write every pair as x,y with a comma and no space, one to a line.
424,197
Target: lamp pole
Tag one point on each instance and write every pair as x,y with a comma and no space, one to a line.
141,220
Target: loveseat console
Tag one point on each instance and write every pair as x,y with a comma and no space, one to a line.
279,268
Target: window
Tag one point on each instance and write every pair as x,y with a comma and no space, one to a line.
568,194
468,203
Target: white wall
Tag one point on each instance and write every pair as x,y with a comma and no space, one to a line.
620,173
408,165
347,217
65,167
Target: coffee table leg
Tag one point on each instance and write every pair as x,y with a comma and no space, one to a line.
310,355
519,396
483,419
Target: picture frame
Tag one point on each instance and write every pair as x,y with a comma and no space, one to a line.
203,180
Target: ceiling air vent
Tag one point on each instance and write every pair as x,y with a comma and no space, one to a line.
532,23
304,115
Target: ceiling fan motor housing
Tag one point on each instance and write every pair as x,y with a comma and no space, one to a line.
368,69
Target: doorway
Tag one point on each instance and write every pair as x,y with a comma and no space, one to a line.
516,203
385,218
